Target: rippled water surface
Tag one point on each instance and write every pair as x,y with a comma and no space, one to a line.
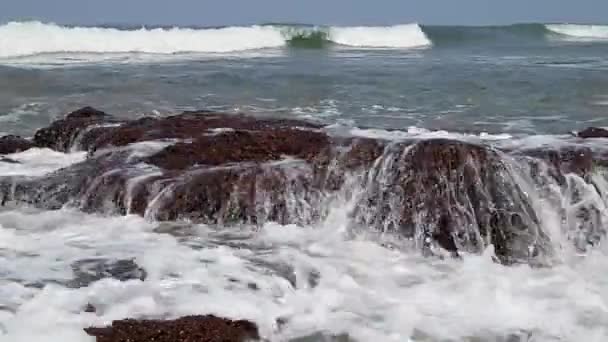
326,282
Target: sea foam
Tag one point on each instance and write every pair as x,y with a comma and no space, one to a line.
580,31
31,38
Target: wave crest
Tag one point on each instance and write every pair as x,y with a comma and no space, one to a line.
580,31
31,38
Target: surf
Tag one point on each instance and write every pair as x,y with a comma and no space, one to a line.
33,38
580,31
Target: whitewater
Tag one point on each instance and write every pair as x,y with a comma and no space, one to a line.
325,282
29,38
19,39
510,88
580,31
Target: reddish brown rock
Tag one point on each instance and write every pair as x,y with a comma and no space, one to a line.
593,132
243,194
191,125
13,144
62,134
222,168
568,159
456,194
186,329
242,146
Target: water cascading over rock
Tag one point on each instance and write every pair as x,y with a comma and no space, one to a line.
442,194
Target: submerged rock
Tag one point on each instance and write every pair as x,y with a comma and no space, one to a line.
9,160
91,270
12,144
186,329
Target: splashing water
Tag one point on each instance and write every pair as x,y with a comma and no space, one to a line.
313,281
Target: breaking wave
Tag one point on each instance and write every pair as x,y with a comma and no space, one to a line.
580,31
30,38
18,39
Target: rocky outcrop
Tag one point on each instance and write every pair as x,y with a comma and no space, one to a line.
185,329
12,144
457,195
231,169
593,132
61,135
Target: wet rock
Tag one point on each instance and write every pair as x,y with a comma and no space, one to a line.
242,194
233,169
457,195
9,160
241,146
190,125
186,329
89,271
569,159
90,308
593,132
13,144
62,134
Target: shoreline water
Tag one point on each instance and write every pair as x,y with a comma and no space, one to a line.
204,148
451,192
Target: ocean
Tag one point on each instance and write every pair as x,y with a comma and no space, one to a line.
509,87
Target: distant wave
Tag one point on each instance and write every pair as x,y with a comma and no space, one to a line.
19,39
482,35
30,38
580,31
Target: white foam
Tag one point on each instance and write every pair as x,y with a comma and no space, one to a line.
38,161
580,31
363,289
18,39
398,36
29,38
414,132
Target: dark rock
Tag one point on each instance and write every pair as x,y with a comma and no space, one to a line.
13,144
91,270
241,146
87,113
90,308
593,132
186,329
455,194
233,169
246,194
569,159
9,160
62,134
191,125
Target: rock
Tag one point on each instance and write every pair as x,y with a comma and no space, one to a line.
186,329
89,271
241,146
89,308
568,159
12,144
220,170
446,195
457,195
593,132
193,124
9,160
61,135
